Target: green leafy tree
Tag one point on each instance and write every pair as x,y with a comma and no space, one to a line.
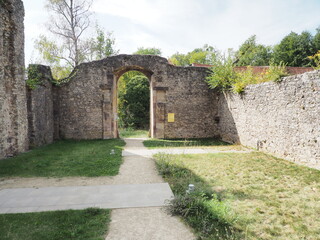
316,40
294,50
102,45
148,51
252,54
134,103
204,55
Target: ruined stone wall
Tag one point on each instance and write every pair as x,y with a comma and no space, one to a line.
13,108
87,106
192,102
40,109
279,118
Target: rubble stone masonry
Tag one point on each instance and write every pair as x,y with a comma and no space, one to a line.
13,104
279,118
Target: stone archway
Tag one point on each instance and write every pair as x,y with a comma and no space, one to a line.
86,107
117,74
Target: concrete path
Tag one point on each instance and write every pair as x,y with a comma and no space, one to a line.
21,200
151,152
143,223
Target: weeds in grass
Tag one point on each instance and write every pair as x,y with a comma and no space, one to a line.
204,210
272,198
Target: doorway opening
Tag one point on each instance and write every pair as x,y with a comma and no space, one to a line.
133,105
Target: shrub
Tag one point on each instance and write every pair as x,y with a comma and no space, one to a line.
224,78
316,59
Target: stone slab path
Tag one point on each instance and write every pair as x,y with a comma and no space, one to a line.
21,200
143,223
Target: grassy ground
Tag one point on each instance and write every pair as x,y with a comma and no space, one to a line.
190,143
132,133
270,198
64,158
88,224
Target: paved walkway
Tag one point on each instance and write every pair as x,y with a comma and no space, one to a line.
143,223
151,152
21,200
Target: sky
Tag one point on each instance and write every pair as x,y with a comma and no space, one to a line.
183,25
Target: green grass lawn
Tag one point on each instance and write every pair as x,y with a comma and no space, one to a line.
88,224
64,158
259,196
133,133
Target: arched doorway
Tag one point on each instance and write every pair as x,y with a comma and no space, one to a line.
148,73
133,104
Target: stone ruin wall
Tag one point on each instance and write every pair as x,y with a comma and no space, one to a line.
192,102
87,101
279,118
13,109
40,109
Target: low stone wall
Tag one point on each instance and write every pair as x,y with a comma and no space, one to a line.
279,118
13,107
40,109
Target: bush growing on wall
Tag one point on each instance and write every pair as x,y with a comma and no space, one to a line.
224,77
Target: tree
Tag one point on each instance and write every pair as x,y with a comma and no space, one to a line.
204,55
316,40
69,21
252,54
102,45
148,51
294,50
134,103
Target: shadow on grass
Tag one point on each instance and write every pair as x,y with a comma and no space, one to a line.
204,209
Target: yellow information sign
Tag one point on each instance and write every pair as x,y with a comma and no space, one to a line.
170,117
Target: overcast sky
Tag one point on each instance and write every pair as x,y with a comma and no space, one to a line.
182,25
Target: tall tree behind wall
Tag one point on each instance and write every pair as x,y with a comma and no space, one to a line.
67,48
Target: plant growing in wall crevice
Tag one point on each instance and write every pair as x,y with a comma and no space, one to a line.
35,77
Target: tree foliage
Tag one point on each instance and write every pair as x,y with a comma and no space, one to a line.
148,51
134,102
102,45
252,54
67,47
294,50
204,55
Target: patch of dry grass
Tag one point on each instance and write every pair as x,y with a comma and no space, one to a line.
276,198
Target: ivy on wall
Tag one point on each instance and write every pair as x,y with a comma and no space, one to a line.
34,77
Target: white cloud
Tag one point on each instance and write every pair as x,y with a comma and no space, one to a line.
182,25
